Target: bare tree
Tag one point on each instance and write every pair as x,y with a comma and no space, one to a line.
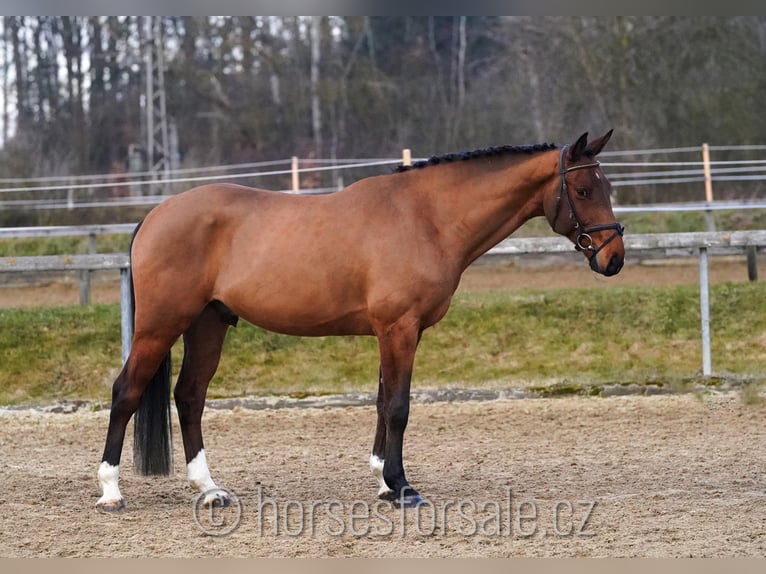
316,108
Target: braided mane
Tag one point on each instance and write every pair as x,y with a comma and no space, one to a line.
484,152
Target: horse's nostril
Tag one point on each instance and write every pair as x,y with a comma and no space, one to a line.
614,265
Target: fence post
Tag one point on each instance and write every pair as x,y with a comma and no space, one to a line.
70,196
84,287
295,181
85,274
752,263
126,313
707,367
709,219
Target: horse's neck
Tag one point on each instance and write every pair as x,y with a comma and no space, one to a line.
475,208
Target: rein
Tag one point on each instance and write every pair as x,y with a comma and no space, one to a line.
584,241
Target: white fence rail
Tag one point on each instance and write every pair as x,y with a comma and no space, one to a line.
704,243
696,168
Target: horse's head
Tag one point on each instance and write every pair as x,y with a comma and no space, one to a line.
579,206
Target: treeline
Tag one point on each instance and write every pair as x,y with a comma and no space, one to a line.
258,88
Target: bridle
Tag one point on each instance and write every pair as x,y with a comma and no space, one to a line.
584,241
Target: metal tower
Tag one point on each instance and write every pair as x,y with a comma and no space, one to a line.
160,158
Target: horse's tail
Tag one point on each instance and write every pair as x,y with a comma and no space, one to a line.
152,440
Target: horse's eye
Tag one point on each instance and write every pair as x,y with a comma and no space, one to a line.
582,192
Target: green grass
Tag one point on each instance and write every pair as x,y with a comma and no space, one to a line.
30,246
576,338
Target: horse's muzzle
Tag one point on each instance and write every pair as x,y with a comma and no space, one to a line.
612,267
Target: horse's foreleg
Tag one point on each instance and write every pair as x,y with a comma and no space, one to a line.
145,357
379,444
397,344
203,341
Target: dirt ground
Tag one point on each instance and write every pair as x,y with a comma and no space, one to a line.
526,273
623,476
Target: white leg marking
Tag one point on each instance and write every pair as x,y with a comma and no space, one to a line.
109,477
376,466
199,474
199,477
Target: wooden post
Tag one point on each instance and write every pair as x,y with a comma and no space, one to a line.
296,182
752,263
84,287
85,274
709,219
406,157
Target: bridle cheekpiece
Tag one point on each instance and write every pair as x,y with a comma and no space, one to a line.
584,241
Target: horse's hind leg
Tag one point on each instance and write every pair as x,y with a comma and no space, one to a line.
203,341
146,355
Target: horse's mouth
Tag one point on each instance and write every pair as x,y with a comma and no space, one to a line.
612,268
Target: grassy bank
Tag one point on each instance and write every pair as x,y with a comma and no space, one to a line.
498,338
31,246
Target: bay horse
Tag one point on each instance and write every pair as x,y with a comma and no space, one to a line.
381,257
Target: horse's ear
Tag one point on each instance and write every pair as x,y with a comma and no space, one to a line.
578,148
594,148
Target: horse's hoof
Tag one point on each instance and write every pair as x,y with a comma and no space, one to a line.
110,506
408,498
408,501
217,498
